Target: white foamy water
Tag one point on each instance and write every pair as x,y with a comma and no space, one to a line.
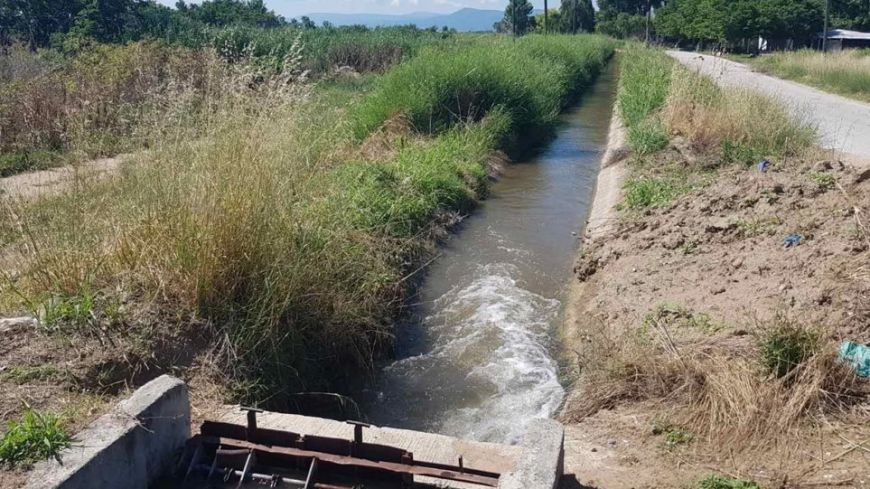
496,333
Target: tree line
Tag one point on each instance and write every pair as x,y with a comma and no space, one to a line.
724,22
67,24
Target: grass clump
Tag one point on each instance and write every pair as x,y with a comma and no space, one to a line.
785,347
846,72
740,125
26,374
38,436
758,226
824,180
642,192
721,482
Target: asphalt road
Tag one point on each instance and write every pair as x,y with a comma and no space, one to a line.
843,124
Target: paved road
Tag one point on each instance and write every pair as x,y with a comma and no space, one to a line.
843,124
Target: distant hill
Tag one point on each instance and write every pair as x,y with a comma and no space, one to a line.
464,20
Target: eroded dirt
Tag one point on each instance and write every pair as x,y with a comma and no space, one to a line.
718,253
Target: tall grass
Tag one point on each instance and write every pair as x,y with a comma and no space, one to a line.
531,79
659,100
265,226
846,72
644,83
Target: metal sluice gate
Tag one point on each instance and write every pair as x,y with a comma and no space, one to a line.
236,455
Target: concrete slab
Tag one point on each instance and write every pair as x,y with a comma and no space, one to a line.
425,446
135,443
542,460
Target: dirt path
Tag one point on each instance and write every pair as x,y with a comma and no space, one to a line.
33,184
843,124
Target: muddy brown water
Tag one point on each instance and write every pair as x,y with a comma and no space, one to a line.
476,358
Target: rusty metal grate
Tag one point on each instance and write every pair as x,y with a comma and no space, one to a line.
234,455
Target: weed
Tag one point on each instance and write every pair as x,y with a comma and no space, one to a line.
678,315
38,436
689,247
676,436
68,310
644,192
786,346
824,180
758,226
720,482
26,374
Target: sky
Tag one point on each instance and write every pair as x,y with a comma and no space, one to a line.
295,8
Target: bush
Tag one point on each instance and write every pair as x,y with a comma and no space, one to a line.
786,346
38,436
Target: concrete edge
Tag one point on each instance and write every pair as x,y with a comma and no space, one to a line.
131,446
542,461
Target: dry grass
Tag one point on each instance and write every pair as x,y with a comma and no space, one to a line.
741,124
845,72
714,387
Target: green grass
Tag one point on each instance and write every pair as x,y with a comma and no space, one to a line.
531,80
644,83
786,346
721,482
288,219
642,192
26,374
846,73
38,436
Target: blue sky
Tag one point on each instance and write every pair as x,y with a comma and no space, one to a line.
295,8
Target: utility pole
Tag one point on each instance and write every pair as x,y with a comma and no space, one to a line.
825,32
546,14
648,13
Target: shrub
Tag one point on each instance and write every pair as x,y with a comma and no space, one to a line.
786,346
38,436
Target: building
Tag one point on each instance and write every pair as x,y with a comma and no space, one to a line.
839,39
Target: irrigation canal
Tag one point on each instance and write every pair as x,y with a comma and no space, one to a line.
476,358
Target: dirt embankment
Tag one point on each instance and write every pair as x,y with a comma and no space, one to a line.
696,284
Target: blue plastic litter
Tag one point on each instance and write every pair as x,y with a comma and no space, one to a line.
763,165
856,356
792,240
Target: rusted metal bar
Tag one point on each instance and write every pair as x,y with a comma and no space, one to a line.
274,477
425,469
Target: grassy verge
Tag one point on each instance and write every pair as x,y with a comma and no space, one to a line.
277,228
846,72
788,370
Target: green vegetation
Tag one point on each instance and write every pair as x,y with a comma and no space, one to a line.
758,226
846,73
643,89
530,81
720,482
643,192
786,346
26,374
287,218
824,180
38,436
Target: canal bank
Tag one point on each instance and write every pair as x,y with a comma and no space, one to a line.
478,356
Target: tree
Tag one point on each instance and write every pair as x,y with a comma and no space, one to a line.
577,16
851,14
517,18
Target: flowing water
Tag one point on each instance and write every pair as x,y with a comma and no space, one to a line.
476,358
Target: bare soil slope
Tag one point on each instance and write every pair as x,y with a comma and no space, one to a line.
700,280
